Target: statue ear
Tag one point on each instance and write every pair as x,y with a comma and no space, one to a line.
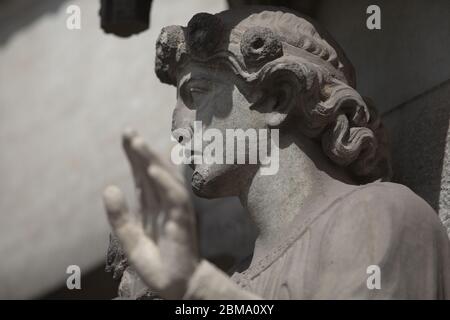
279,97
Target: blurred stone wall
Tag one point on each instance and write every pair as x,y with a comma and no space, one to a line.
65,97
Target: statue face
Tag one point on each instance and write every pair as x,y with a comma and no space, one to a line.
218,100
298,72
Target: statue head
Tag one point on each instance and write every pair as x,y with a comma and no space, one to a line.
266,68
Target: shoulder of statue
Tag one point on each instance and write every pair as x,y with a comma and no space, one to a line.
386,199
383,211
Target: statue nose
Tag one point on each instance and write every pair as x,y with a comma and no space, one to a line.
182,123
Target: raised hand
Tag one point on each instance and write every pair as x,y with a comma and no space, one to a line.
160,240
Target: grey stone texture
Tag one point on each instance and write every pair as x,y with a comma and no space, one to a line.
407,57
419,135
444,197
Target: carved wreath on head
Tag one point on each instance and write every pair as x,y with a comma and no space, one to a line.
258,44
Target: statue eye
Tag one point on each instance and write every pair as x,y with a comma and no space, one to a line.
197,91
193,91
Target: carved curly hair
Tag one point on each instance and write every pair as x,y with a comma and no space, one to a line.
258,43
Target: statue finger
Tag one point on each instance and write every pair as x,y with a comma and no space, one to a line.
139,157
173,193
178,234
140,250
116,207
127,138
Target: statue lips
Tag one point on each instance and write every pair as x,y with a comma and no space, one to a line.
196,149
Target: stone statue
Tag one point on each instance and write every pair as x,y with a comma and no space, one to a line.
325,219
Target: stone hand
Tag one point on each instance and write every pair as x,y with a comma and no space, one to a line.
160,239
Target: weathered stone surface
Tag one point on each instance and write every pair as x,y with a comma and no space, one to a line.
419,134
125,17
444,197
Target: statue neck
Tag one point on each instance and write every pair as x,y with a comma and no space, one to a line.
273,201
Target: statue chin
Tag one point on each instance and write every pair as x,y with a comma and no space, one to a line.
214,181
